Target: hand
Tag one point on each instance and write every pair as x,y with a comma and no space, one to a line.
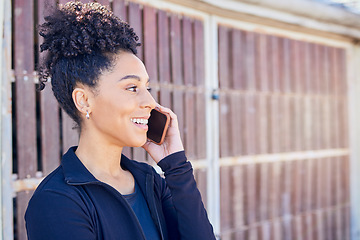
172,142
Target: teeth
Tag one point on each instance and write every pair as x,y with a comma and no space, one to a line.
139,121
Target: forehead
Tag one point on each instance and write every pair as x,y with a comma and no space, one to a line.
126,63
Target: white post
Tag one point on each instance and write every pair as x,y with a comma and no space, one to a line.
6,204
354,134
212,122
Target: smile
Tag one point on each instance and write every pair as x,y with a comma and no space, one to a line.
141,121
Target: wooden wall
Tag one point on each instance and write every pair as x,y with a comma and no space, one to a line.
283,120
42,132
283,138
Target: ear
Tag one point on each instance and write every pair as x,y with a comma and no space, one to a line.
80,96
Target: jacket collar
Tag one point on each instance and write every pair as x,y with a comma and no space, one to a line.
74,171
77,174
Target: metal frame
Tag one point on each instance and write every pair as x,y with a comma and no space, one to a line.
212,122
6,200
354,135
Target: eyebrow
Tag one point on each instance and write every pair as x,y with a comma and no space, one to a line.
132,77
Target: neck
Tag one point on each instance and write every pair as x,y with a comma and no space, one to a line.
99,157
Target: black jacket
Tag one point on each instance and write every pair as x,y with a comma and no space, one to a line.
71,204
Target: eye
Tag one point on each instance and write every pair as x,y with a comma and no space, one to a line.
132,89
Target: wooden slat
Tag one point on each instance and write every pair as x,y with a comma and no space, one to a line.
250,98
307,100
264,233
135,21
273,45
21,205
238,59
199,62
49,113
225,199
297,187
250,201
236,104
327,106
347,222
336,82
327,198
150,43
238,196
276,230
320,222
189,82
127,151
345,161
274,99
70,135
224,83
253,233
50,131
307,226
343,89
164,58
236,122
299,89
176,70
286,228
25,89
263,189
119,9
201,182
262,87
285,103
298,228
314,190
286,189
62,1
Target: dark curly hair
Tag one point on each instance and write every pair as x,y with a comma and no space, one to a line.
80,41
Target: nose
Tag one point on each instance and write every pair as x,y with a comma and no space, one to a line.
148,101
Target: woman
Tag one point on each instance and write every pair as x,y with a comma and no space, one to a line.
97,193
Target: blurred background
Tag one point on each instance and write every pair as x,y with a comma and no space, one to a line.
266,92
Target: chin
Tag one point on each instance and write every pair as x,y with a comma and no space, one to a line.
138,143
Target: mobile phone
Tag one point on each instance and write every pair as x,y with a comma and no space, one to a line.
158,124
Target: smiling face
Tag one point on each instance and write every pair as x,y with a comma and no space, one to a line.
121,103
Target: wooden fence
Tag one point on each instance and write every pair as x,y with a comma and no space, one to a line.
283,138
284,164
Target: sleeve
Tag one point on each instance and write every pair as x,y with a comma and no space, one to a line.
57,216
193,222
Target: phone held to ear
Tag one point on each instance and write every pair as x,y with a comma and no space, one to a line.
158,124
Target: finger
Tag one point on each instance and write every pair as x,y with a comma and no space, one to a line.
163,109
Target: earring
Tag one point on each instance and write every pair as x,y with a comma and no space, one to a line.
87,115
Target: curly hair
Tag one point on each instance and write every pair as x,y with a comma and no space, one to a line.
80,41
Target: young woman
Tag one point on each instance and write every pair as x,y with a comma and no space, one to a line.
97,193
